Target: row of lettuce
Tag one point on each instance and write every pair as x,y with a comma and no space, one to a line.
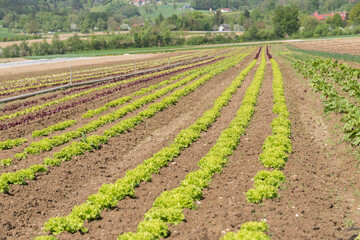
275,147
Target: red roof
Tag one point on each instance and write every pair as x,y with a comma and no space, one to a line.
324,16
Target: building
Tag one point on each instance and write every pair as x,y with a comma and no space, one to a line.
324,16
226,10
224,28
139,3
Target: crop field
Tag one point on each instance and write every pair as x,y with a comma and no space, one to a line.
345,46
254,142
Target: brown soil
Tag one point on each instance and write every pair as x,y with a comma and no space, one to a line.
346,45
318,201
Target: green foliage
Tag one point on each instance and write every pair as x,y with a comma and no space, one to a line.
45,238
168,215
6,162
287,18
53,128
19,177
324,74
9,143
249,230
354,14
266,185
20,156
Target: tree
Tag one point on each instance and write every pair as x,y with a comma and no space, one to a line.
287,18
57,46
314,5
337,20
218,18
354,15
31,27
112,24
309,22
25,50
73,44
247,13
322,30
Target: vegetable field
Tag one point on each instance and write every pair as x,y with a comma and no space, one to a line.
254,142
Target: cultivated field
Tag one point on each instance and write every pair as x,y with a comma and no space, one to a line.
234,143
348,46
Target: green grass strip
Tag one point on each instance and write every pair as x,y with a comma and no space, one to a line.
275,147
340,56
109,194
168,207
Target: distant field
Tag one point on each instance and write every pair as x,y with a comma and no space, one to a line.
4,32
342,46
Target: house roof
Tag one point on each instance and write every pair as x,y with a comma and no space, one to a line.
324,16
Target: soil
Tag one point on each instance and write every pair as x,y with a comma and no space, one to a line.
318,201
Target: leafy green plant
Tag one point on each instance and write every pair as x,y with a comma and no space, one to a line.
6,162
10,143
53,128
249,230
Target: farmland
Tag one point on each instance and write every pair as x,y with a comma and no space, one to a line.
221,143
